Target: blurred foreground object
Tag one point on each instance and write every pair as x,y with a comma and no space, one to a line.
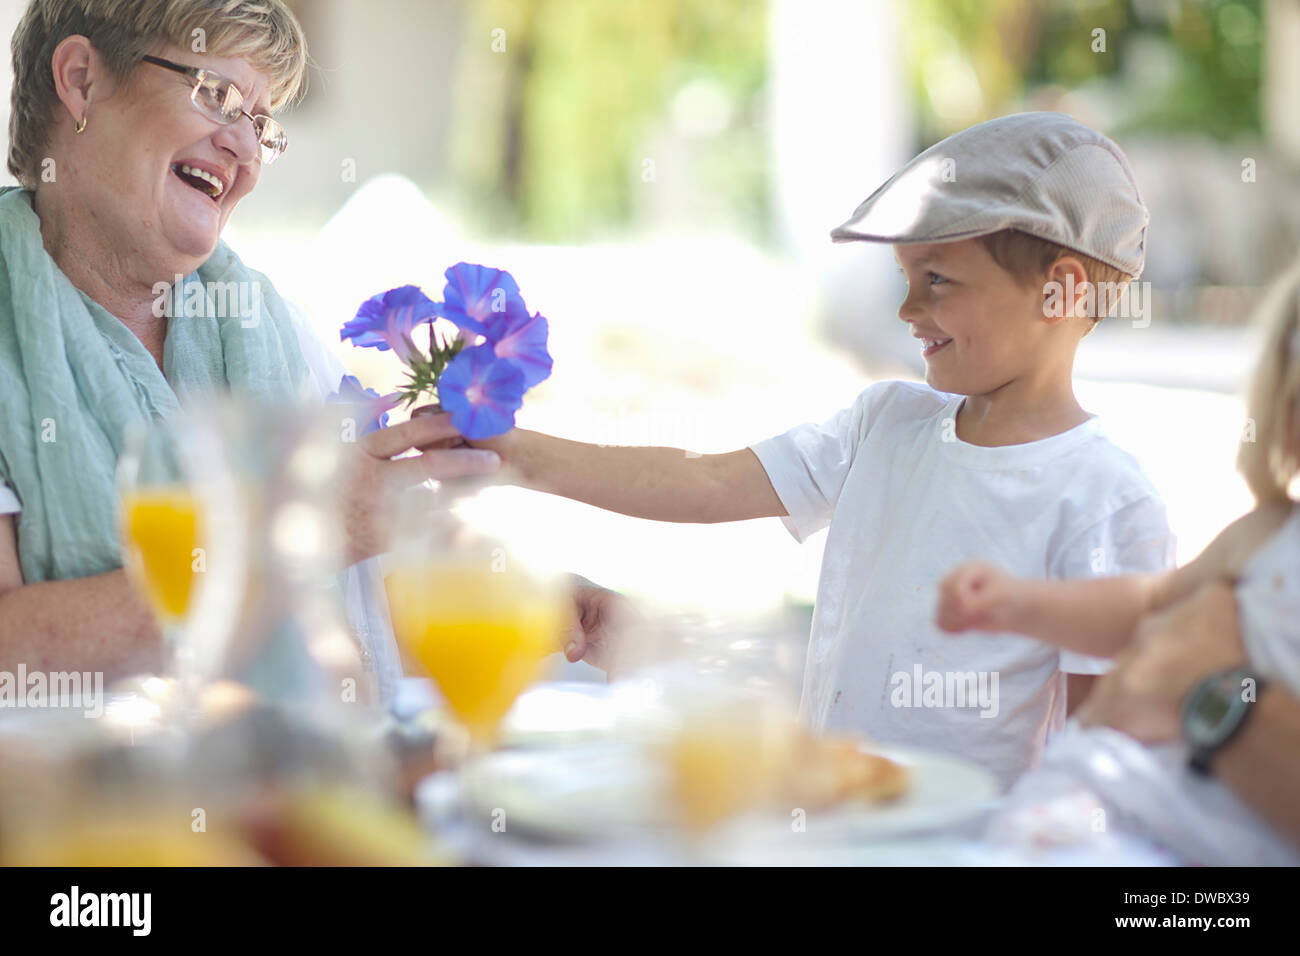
246,784
261,743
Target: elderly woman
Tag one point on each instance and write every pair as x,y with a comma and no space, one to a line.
137,127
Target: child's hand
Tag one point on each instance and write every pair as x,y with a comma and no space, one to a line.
976,597
504,444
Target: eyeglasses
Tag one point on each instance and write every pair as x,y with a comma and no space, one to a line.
220,100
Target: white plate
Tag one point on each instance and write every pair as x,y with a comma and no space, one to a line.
610,789
559,713
944,793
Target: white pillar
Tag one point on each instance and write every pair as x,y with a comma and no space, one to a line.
841,125
1281,77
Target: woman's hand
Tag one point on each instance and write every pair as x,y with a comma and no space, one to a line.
501,444
373,474
599,615
1174,649
976,596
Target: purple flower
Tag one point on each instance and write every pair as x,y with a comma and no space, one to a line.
481,392
474,293
386,321
373,407
520,338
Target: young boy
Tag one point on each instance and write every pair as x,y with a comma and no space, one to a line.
991,458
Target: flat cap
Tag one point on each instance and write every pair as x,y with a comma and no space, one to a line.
1046,174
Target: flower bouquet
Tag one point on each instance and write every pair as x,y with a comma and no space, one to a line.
485,350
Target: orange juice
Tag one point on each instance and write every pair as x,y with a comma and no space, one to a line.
727,756
161,529
481,634
716,771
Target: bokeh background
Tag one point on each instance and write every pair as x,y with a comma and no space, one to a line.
661,177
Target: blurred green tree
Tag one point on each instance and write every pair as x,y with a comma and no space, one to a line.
556,100
559,101
1161,65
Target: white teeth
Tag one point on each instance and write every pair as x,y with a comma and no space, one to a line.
217,185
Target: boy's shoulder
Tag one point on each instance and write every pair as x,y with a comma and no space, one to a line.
904,400
1088,460
1107,494
1100,459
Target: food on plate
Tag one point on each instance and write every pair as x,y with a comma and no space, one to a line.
828,770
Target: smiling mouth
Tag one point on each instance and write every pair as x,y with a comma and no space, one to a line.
199,180
930,346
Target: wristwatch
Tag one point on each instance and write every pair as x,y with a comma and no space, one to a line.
1215,711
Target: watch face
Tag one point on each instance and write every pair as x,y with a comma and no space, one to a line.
1213,710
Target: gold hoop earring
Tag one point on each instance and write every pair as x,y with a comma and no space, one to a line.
81,126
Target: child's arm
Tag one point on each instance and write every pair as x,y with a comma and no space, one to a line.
663,484
1095,616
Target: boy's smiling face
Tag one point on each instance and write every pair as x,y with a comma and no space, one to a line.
979,328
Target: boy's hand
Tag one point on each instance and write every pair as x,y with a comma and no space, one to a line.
976,597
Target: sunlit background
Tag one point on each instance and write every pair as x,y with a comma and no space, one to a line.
661,177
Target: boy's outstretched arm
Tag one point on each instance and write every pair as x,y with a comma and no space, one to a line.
663,484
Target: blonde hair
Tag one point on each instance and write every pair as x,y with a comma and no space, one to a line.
263,32
1027,258
1270,457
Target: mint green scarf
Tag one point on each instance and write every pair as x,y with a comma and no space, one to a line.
73,378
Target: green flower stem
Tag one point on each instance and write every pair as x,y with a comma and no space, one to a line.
422,374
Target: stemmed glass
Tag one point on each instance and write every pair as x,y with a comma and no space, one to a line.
161,526
476,616
182,541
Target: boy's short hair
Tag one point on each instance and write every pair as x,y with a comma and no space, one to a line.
1027,258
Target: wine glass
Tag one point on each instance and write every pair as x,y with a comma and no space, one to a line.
478,617
160,522
183,544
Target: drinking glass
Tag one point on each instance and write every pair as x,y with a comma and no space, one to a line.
161,524
478,617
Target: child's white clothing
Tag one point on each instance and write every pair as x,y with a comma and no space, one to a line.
906,501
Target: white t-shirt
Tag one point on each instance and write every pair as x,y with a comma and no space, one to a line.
906,501
366,605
